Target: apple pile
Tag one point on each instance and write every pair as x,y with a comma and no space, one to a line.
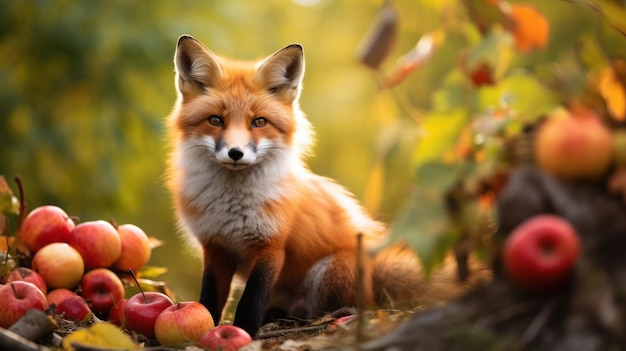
74,267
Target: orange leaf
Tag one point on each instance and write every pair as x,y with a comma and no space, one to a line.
529,27
613,89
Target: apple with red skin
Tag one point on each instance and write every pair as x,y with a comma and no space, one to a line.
28,275
142,310
540,253
116,314
98,243
74,307
574,145
57,295
102,289
60,265
45,225
226,338
183,323
136,250
16,298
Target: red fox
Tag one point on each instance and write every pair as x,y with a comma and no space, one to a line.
241,188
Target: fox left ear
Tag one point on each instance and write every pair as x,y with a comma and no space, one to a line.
283,71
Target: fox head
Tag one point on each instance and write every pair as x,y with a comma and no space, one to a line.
238,114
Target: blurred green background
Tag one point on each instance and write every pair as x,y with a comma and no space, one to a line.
85,87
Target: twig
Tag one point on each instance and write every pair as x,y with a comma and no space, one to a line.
537,324
360,290
282,332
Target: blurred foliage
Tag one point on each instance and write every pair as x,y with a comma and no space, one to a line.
85,87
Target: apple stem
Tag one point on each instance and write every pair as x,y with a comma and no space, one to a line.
132,273
112,221
14,291
20,187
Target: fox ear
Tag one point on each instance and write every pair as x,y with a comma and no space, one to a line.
197,68
282,72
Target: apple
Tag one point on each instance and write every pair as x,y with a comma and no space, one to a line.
540,253
142,310
226,338
98,243
74,307
182,323
28,275
573,145
102,289
57,295
45,225
135,248
16,298
60,265
116,314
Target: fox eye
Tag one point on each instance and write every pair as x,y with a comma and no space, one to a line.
216,121
259,122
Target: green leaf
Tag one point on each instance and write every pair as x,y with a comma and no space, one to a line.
424,225
522,93
442,131
8,202
438,176
151,272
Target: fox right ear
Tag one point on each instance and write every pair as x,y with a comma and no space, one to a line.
197,68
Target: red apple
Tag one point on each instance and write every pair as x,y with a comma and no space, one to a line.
182,323
45,225
142,310
98,242
540,253
102,289
16,299
57,295
74,307
574,145
116,314
226,338
28,275
60,265
135,248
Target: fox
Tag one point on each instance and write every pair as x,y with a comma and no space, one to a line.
242,190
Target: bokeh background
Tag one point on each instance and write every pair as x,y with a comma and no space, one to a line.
85,87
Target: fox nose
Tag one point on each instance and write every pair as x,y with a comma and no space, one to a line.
235,154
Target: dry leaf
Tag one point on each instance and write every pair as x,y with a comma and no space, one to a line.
617,183
413,59
380,38
103,335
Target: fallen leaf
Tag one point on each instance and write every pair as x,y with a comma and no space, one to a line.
104,335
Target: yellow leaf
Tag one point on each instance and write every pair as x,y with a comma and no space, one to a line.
374,187
613,92
103,335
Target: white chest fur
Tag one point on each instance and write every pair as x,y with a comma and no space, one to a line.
230,202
